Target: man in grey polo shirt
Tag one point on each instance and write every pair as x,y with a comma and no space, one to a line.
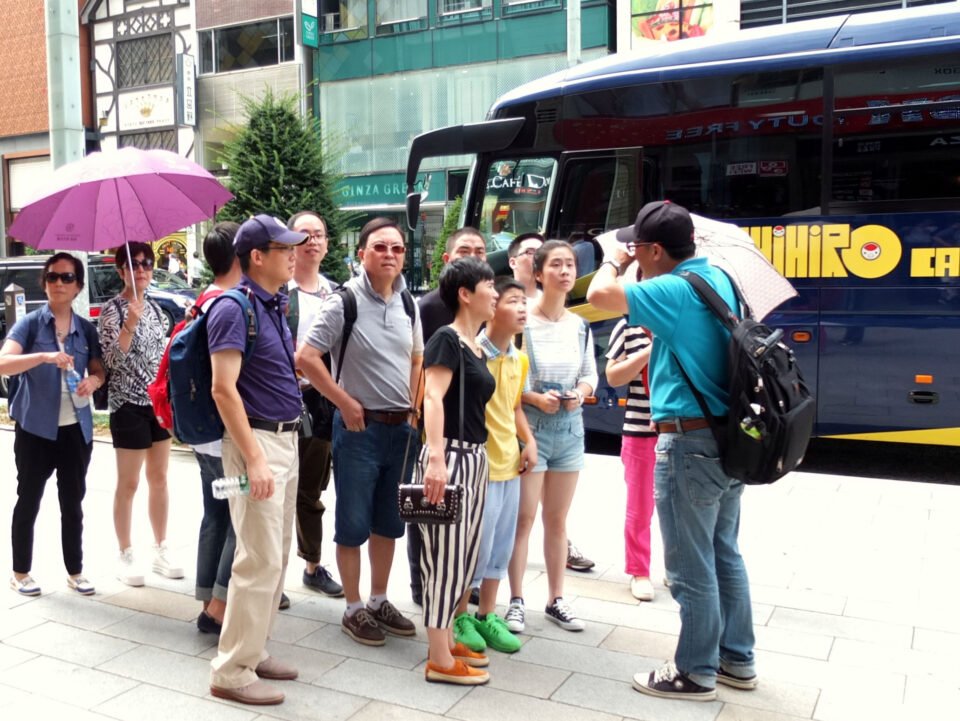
371,428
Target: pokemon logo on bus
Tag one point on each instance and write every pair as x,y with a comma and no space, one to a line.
837,250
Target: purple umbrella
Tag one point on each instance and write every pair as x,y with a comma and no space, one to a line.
108,198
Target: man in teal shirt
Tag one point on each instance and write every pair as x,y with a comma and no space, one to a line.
697,503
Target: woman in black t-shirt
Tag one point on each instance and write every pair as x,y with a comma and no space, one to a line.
454,453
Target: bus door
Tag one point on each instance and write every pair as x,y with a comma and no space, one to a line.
597,191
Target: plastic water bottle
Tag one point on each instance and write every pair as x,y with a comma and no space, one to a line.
230,486
73,380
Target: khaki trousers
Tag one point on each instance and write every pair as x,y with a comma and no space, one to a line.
264,531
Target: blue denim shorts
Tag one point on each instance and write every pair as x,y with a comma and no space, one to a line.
367,468
499,529
559,439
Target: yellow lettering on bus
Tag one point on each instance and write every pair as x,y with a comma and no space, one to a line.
921,263
835,239
873,251
797,257
947,263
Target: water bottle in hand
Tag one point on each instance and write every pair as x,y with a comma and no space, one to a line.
230,486
73,380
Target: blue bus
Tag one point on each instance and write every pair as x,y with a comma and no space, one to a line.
835,143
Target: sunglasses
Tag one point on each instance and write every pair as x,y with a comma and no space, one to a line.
65,278
146,264
396,249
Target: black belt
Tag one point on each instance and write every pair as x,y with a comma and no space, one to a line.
682,425
274,426
390,418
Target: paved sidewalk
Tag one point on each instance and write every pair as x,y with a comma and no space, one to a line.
854,588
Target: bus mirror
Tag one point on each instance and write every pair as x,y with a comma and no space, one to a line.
413,209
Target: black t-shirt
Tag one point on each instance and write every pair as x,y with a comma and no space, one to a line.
444,349
433,314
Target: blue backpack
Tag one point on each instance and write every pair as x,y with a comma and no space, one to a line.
195,415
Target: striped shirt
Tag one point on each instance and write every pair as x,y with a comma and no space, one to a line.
626,340
561,354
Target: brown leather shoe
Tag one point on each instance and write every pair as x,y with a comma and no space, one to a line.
276,670
392,621
363,628
255,694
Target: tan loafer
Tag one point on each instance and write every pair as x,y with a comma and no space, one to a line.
257,693
276,670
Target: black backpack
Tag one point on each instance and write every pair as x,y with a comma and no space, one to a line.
772,411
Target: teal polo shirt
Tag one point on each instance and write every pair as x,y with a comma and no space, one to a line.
681,324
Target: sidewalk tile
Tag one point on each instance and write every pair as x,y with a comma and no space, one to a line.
589,586
159,667
392,685
646,643
775,696
311,664
151,703
157,602
484,704
656,616
842,626
732,712
36,707
85,648
834,707
937,611
801,599
894,660
10,696
76,610
824,675
290,629
538,625
305,702
16,620
933,693
926,639
619,698
584,659
173,635
11,657
66,682
397,652
798,643
529,679
379,711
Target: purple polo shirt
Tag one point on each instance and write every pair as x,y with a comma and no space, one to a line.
267,382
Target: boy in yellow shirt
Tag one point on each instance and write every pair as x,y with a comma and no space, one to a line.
506,423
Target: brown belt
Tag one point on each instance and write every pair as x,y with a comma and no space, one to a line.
390,418
682,425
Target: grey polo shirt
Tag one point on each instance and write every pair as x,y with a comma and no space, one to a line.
376,365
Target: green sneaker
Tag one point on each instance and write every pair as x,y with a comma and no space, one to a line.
465,631
494,631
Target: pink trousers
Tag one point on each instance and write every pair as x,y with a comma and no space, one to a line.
637,454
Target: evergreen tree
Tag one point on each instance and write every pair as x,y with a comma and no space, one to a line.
278,163
451,222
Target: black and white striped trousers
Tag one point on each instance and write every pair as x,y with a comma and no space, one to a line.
448,558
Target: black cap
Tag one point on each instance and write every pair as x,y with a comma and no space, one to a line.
261,230
662,222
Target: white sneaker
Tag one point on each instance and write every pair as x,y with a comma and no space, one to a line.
163,565
25,586
561,614
128,572
81,585
642,588
515,616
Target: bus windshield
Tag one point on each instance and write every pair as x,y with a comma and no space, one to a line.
515,199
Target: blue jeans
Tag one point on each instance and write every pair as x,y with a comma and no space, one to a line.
699,510
367,470
217,542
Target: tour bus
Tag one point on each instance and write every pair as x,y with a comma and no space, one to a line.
834,143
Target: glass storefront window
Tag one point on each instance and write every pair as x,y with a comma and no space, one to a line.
398,11
342,15
254,45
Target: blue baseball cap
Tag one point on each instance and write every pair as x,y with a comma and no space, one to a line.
261,230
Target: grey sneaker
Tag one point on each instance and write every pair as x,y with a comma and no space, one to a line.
576,561
321,580
744,683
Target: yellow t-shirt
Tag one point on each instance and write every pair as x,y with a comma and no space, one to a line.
503,448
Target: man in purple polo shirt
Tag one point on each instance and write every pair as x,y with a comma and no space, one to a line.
259,402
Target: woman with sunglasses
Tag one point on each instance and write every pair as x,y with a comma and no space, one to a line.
54,430
131,331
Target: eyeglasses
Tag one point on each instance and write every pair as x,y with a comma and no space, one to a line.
286,248
633,246
396,248
317,235
65,278
146,264
529,252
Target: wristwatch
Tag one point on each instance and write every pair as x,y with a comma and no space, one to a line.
615,264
